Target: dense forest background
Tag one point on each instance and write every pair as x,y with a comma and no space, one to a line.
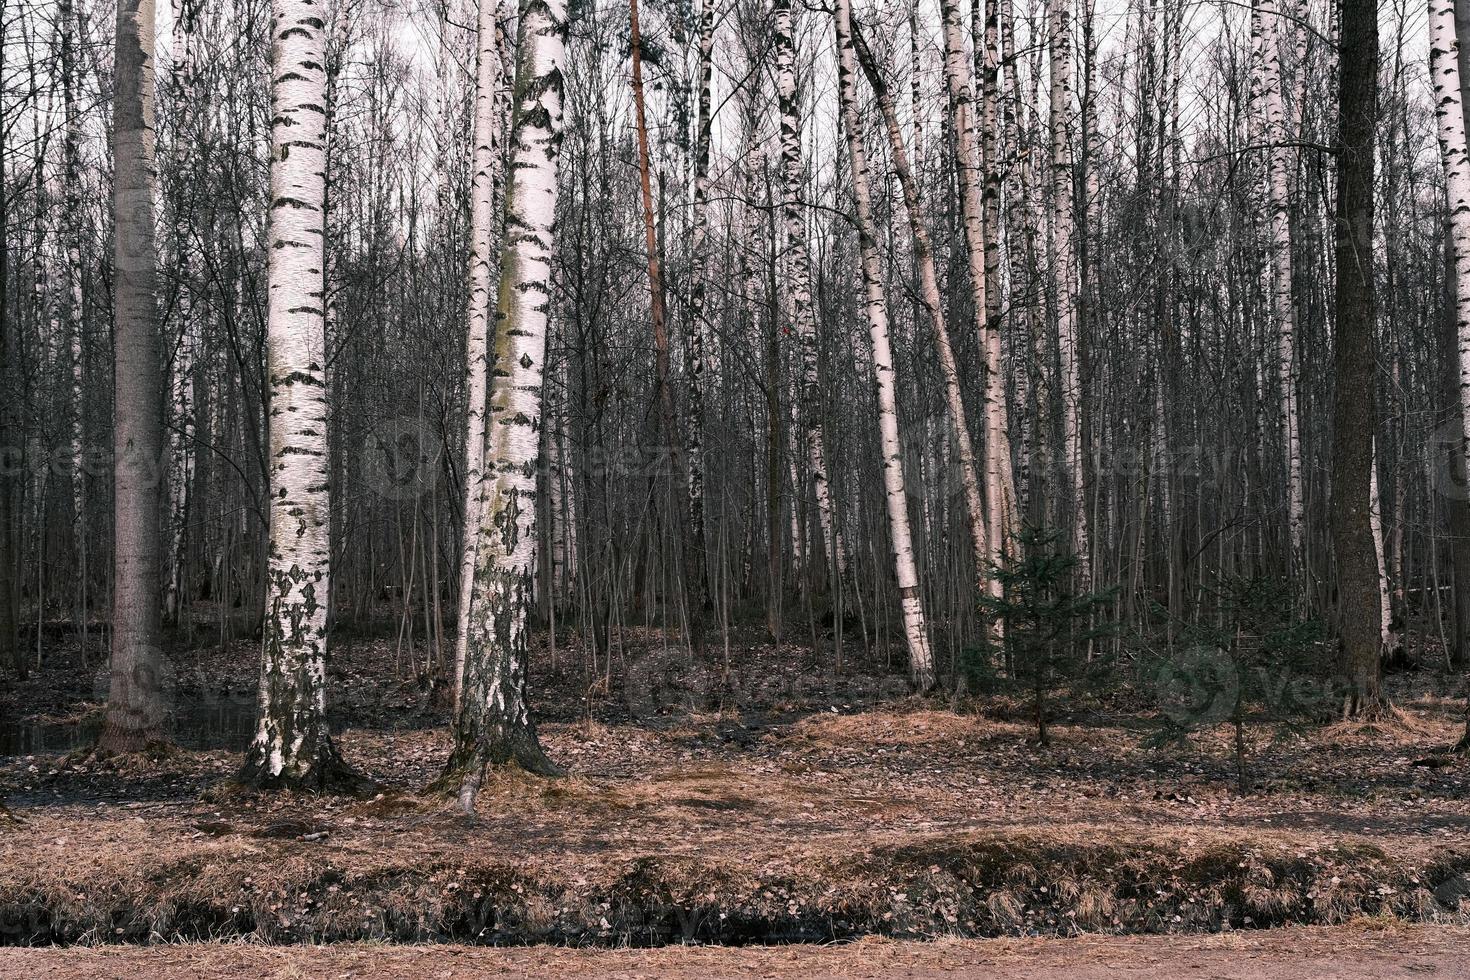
1114,303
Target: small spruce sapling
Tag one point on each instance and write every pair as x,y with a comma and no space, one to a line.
1255,661
1046,625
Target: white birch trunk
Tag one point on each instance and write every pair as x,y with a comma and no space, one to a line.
921,662
799,277
71,228
1444,70
1279,168
999,494
694,344
292,745
1064,271
929,294
1375,523
493,724
485,190
134,701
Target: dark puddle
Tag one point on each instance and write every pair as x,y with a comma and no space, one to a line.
219,723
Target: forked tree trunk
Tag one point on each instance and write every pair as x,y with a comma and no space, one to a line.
135,708
293,747
921,662
486,181
493,725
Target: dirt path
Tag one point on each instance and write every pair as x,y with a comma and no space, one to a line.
1346,953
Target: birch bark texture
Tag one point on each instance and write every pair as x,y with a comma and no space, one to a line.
958,74
1064,272
1444,71
1280,162
930,296
493,725
135,698
694,343
916,637
799,278
486,189
292,747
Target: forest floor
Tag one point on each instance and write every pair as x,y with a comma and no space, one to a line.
778,801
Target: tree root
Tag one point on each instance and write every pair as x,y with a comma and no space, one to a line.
325,774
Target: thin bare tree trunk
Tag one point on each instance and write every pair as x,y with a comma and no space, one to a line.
1271,27
799,277
1354,415
1063,274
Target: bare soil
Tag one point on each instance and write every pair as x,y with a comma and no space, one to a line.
739,805
1360,952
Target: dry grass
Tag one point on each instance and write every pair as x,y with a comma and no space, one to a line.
901,820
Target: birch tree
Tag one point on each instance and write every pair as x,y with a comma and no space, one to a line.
1444,60
694,331
293,747
1280,165
930,295
135,709
798,260
493,725
486,178
964,122
921,662
1064,258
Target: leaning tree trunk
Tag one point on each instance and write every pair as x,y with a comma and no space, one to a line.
135,706
493,724
293,747
1354,416
1063,273
930,296
485,191
921,662
800,278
